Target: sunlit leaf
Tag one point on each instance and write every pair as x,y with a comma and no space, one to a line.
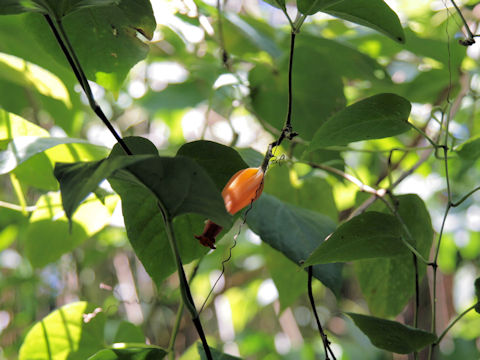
105,40
375,14
49,234
376,117
12,126
23,148
65,334
318,91
391,335
24,73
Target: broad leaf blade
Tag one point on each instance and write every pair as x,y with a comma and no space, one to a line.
181,186
310,7
389,283
23,148
49,234
280,4
219,161
470,149
130,351
391,335
369,235
79,179
64,334
318,91
295,232
146,231
105,40
375,14
376,117
216,355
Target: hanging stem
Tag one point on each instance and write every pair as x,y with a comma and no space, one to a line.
453,323
184,287
63,41
326,342
287,131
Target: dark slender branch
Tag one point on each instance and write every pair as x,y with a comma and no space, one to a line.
417,299
72,59
221,38
326,342
184,286
287,131
470,38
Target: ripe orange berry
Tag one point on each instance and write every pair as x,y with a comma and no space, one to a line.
244,187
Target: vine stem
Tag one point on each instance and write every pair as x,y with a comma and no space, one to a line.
178,318
326,343
69,52
287,131
184,286
453,323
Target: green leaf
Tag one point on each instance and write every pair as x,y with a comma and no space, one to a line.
19,6
130,351
216,355
180,184
375,14
65,334
311,192
23,148
470,149
369,235
477,293
376,117
391,335
245,35
146,231
310,7
280,4
49,235
389,283
79,179
12,126
128,332
295,232
219,161
345,60
32,76
318,92
105,40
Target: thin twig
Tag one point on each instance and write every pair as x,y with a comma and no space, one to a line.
326,342
287,131
62,39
